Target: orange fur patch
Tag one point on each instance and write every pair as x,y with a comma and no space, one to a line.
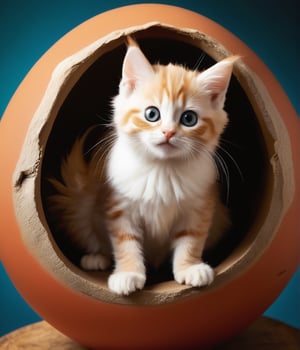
138,123
188,233
174,83
206,131
125,237
113,215
141,124
126,261
210,125
129,115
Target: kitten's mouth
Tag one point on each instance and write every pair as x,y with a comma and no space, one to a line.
166,144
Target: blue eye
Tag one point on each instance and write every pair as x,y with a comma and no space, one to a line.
152,114
189,118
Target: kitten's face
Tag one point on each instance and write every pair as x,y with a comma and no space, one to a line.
169,112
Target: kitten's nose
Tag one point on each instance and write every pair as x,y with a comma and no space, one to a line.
169,134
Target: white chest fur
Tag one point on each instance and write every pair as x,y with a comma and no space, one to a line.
141,178
159,187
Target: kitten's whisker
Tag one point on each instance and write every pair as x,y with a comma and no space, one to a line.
108,138
100,151
223,166
218,162
104,120
100,163
103,148
233,162
199,61
230,143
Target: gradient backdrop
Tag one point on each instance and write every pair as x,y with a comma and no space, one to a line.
29,28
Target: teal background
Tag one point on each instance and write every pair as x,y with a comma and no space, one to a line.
29,28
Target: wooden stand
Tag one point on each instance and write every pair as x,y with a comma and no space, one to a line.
263,334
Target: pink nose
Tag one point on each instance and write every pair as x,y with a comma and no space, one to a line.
168,134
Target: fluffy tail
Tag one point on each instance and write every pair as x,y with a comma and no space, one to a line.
76,207
72,204
74,170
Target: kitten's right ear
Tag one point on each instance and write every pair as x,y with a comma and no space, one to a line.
214,81
136,68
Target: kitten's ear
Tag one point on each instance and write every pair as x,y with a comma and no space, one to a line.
136,68
215,80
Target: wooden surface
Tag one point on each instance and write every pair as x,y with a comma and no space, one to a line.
264,334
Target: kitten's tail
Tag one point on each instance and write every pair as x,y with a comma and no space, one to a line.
76,200
80,175
74,186
74,169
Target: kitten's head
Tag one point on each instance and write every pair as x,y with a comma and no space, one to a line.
170,112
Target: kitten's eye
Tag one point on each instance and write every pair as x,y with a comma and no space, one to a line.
189,118
152,114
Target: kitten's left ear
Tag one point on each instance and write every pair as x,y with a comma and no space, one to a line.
136,68
215,80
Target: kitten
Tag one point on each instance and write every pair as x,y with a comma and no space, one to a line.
154,190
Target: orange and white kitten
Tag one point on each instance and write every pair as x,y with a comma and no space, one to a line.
156,190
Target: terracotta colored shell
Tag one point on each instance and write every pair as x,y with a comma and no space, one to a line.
165,315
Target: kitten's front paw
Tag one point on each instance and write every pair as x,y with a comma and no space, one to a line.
196,275
92,262
124,283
